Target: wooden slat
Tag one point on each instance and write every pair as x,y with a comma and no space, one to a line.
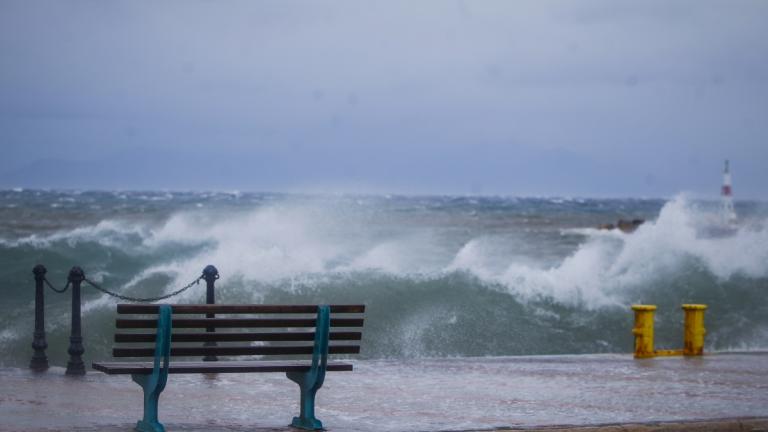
114,368
236,337
237,322
234,351
233,308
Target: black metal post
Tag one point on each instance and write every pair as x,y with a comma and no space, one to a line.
210,274
39,362
75,365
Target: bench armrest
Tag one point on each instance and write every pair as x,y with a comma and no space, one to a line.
163,344
320,348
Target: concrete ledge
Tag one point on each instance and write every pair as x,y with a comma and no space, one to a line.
751,424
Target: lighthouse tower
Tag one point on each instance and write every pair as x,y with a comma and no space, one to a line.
727,210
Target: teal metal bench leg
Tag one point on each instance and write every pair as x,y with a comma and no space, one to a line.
151,395
306,418
153,384
310,382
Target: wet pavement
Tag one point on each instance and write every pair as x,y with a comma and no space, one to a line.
407,395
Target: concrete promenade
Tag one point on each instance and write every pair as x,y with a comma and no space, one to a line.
726,391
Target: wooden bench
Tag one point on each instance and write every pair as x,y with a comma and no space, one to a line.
300,337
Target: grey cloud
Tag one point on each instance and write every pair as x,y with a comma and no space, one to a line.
421,96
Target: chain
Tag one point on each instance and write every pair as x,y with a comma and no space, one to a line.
53,288
142,300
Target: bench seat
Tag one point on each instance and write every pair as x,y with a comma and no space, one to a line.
174,367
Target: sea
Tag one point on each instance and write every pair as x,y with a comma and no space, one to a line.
441,276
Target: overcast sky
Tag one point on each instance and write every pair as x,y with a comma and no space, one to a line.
566,98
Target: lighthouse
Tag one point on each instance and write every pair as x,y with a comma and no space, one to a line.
727,210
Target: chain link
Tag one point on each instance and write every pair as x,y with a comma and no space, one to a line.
54,288
142,300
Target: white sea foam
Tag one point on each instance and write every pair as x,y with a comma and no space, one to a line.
283,242
265,245
577,279
609,264
7,335
109,233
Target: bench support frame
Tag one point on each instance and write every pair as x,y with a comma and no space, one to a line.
310,382
154,383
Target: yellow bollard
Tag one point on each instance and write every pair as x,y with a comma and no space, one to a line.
693,342
643,330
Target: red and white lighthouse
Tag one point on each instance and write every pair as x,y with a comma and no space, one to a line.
728,212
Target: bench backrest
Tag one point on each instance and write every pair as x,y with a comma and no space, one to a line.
237,330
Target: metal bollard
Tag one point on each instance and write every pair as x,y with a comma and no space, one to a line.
643,330
693,340
210,274
75,365
39,362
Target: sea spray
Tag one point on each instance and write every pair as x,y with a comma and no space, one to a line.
442,276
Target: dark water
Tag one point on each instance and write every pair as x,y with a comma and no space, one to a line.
442,276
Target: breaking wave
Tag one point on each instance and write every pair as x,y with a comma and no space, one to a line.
441,281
